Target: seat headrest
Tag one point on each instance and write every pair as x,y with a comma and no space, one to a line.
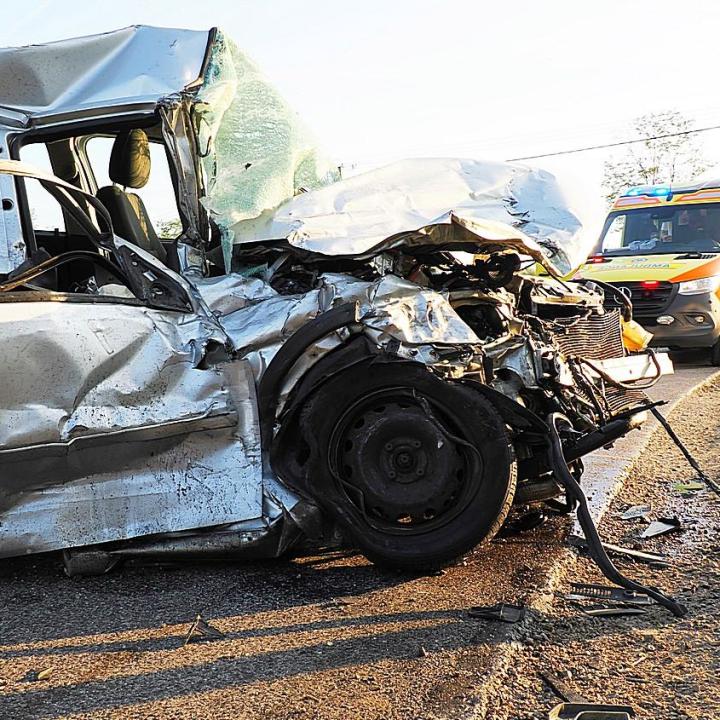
130,159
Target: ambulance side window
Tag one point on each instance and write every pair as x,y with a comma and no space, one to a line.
613,239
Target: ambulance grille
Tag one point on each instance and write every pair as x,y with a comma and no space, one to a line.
647,303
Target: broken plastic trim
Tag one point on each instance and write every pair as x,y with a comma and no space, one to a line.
597,551
290,353
502,612
591,711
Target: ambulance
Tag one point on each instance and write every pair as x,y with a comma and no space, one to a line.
660,247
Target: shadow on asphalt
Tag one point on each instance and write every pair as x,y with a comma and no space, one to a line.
146,596
453,631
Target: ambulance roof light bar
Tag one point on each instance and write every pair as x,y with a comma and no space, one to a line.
648,191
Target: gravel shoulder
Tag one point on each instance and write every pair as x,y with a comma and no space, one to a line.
333,637
663,666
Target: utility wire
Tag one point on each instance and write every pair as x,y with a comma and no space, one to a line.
615,144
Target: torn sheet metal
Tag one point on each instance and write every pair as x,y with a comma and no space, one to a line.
661,526
394,311
120,384
435,202
636,511
119,71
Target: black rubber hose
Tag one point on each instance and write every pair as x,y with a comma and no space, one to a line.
597,551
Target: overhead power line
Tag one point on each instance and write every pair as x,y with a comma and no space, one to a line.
615,144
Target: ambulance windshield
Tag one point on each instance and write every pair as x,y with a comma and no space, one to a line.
678,229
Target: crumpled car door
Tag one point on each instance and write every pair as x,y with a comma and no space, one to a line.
110,428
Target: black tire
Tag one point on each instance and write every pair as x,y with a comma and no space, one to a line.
415,469
715,354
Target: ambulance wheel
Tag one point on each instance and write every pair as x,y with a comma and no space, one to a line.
715,354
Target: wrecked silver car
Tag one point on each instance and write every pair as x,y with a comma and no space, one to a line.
288,359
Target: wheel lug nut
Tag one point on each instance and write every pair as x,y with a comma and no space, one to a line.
419,471
416,443
388,446
392,474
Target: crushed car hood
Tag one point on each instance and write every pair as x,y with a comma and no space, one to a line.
264,177
464,204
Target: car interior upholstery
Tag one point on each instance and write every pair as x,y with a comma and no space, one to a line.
130,168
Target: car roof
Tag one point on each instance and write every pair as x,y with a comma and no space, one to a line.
124,70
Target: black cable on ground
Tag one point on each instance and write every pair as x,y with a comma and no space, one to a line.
693,462
595,546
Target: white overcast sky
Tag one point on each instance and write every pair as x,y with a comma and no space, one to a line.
379,80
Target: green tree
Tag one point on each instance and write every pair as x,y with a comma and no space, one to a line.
665,160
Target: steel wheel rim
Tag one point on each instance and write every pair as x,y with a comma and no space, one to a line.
408,455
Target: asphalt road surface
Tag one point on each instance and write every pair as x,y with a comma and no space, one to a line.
314,637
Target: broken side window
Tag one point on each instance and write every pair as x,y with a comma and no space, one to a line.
46,213
74,263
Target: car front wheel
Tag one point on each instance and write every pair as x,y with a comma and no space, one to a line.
416,469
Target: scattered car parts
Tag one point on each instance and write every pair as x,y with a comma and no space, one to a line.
635,512
559,686
576,494
609,601
591,711
655,560
608,610
661,526
585,591
502,612
201,629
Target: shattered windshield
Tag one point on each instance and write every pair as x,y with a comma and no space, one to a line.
679,229
256,153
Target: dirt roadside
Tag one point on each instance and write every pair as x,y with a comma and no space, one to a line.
664,667
332,637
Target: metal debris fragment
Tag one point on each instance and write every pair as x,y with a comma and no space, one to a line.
655,560
591,711
202,630
607,593
502,612
558,686
635,512
609,610
661,526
